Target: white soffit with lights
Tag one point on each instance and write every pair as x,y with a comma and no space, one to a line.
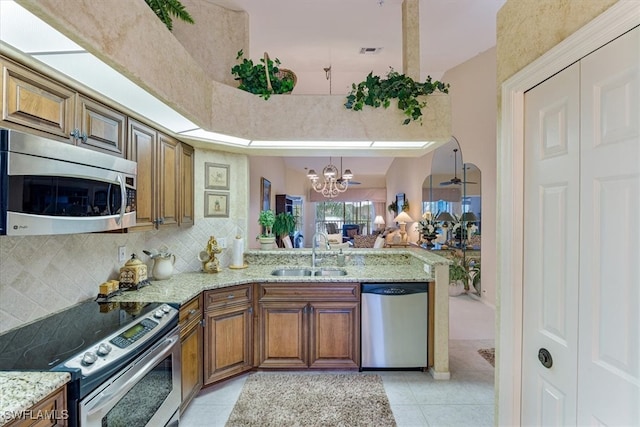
54,49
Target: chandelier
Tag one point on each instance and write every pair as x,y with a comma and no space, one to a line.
331,184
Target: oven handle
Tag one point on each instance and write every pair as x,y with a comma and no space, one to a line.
160,349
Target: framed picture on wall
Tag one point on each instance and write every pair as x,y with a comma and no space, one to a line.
216,176
216,204
400,201
265,193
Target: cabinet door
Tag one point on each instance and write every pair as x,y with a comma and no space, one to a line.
186,186
55,403
334,340
168,180
104,127
192,366
284,336
141,149
32,101
228,342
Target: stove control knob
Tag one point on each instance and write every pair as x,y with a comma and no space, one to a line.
166,308
103,349
88,358
158,314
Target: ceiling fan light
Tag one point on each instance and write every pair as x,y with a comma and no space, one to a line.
347,174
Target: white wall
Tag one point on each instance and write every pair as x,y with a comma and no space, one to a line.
474,117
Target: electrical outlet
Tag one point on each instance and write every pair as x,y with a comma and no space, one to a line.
222,242
427,268
122,253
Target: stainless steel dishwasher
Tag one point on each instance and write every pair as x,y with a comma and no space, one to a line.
394,325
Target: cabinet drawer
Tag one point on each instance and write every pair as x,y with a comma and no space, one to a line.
191,311
219,298
310,292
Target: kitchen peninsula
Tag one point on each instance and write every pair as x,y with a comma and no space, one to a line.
363,265
216,290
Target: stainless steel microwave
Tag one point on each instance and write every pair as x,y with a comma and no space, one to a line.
49,187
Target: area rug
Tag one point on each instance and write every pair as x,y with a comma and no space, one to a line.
489,354
312,400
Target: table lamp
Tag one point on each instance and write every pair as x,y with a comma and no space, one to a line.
403,218
379,222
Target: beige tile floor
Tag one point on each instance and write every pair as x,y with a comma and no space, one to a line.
416,398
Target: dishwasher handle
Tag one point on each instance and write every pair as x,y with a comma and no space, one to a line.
393,289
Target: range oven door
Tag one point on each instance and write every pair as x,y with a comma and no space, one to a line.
145,393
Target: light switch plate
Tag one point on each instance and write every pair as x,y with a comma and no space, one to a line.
222,242
122,253
427,268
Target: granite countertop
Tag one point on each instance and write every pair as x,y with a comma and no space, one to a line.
21,390
366,265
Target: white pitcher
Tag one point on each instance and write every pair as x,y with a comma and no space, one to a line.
163,266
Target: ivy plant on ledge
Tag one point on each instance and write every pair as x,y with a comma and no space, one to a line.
264,78
376,92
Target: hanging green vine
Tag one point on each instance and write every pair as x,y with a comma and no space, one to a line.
378,92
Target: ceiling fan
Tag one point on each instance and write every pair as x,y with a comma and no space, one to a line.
351,182
455,180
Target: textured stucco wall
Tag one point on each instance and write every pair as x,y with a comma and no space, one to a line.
133,41
526,29
215,38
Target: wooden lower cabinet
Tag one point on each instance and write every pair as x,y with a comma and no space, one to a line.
309,326
228,337
191,349
50,411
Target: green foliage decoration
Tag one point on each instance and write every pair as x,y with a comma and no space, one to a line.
266,219
284,225
253,78
376,92
164,9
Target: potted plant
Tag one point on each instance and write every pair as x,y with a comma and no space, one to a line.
378,92
284,225
458,278
264,78
266,219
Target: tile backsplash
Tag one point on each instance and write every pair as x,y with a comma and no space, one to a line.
40,275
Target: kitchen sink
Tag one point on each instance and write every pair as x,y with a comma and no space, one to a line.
292,272
330,272
308,272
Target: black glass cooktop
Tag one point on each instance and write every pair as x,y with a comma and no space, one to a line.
45,343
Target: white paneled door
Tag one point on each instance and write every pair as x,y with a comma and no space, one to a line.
581,298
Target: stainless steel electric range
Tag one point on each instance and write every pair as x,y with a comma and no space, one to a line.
124,361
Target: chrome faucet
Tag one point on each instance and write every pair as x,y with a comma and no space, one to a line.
314,241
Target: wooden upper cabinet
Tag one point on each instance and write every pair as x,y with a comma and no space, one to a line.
141,148
33,101
161,198
186,173
168,180
101,128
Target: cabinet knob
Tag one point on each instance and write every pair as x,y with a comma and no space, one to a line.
78,135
